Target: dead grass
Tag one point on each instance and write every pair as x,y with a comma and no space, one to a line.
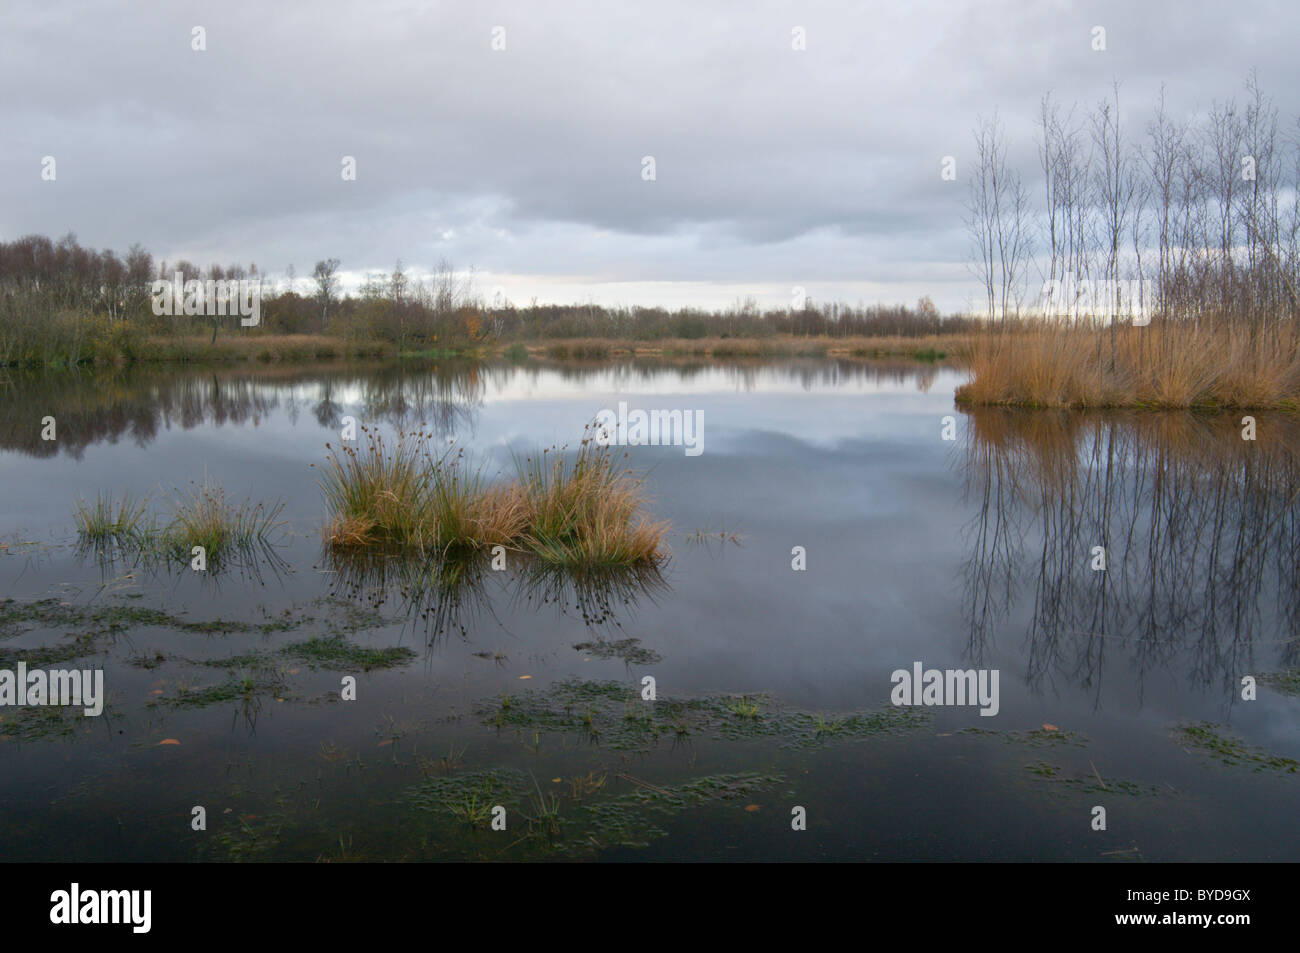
569,510
1055,366
928,348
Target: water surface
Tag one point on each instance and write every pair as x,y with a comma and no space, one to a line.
975,552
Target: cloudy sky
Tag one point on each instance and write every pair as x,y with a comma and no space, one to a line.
775,167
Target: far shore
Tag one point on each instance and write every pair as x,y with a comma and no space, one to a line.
308,348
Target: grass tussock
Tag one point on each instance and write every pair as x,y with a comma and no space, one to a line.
576,512
1059,366
109,522
202,516
205,516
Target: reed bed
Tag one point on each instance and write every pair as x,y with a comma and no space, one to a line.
404,495
1170,367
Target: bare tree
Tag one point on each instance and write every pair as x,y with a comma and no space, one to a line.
327,283
998,222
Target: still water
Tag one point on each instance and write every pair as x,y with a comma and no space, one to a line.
1117,688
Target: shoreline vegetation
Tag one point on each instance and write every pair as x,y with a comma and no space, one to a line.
62,304
1209,367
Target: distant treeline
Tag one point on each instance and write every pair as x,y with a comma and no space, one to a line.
63,303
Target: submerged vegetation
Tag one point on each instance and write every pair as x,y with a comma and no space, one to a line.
575,513
614,715
1212,740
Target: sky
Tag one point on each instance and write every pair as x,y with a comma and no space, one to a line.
794,145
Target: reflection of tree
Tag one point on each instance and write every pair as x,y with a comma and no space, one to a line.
1199,529
105,405
444,397
445,595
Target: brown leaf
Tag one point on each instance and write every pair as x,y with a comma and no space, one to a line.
1047,727
169,741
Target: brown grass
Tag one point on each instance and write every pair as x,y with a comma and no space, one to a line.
928,347
579,512
1060,366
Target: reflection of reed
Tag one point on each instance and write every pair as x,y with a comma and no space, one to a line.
1199,528
249,563
446,594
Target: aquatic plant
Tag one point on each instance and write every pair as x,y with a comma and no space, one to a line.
575,513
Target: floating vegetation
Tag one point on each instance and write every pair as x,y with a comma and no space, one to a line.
583,817
256,673
39,723
504,785
629,650
92,622
1092,783
574,513
715,536
1287,682
1209,739
1037,738
614,715
338,652
237,688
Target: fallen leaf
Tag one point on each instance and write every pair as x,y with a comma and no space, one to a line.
294,671
751,808
556,780
227,810
525,676
156,691
169,741
1047,727
386,741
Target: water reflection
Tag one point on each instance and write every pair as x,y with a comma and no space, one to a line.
1199,530
141,403
451,594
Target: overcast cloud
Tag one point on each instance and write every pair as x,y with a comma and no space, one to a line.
774,167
